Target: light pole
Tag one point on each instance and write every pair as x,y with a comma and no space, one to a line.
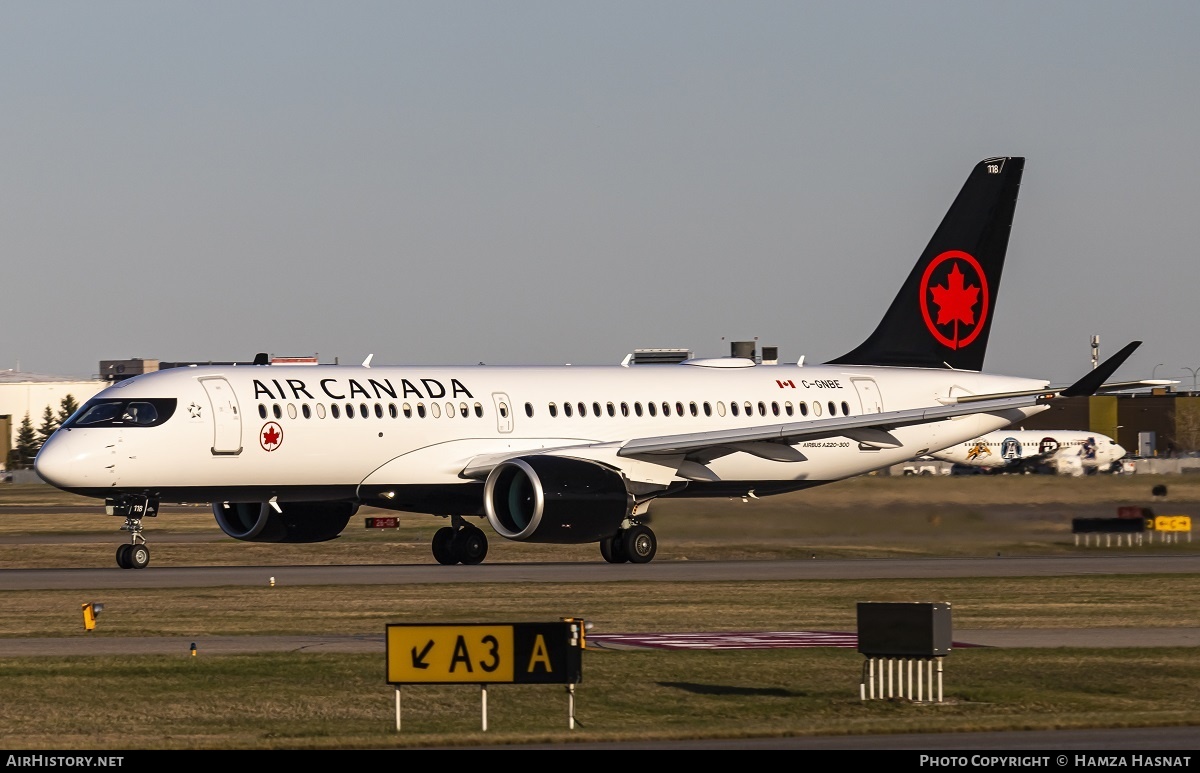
1156,367
1193,371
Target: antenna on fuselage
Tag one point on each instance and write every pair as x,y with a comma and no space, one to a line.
367,362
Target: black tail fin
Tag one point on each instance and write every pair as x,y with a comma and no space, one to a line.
943,314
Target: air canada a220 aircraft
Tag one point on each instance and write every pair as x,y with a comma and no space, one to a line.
565,454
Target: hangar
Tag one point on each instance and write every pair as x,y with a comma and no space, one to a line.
23,392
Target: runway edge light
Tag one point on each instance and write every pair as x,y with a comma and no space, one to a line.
91,610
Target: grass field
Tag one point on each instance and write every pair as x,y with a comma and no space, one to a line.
302,700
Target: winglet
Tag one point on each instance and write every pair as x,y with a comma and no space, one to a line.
1096,378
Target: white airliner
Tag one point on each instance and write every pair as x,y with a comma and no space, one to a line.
566,454
1064,451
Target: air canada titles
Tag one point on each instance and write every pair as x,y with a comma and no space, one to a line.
343,389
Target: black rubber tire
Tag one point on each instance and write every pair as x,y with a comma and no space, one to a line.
470,545
443,546
639,544
139,556
613,549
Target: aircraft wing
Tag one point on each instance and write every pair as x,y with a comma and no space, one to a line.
775,441
666,452
872,428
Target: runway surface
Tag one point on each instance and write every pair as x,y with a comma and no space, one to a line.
1118,740
659,571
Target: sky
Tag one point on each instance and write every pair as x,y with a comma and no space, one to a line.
457,182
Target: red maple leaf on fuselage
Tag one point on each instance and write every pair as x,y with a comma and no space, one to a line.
954,302
271,437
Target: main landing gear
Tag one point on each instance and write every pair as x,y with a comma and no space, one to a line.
459,543
635,545
135,554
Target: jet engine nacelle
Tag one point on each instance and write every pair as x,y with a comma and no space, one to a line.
555,499
299,521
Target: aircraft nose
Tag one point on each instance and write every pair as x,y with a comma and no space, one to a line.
54,462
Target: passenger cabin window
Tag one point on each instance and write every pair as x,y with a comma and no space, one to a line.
123,413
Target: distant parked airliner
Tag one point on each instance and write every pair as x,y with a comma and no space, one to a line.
1063,451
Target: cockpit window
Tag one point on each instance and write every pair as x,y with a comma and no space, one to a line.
123,413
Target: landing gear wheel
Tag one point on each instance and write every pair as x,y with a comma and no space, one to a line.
123,556
613,549
443,546
470,545
639,544
138,556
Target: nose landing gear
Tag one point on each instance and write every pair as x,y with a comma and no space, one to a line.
135,554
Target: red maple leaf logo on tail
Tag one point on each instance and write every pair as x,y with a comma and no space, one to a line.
961,304
954,302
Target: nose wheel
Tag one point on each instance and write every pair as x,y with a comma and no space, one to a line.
131,556
135,554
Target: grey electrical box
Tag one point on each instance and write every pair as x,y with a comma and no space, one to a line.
904,629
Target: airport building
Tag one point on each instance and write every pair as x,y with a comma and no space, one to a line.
23,393
1160,423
